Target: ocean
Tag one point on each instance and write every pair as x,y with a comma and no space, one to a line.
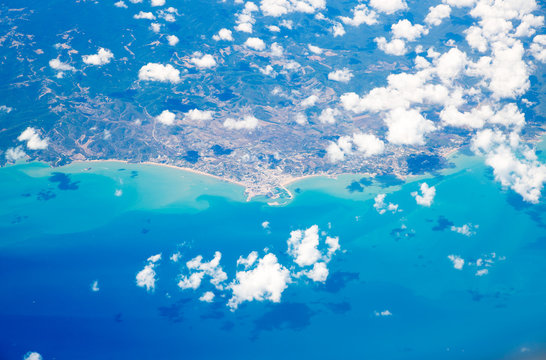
391,293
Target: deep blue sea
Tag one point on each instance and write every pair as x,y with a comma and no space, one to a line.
62,229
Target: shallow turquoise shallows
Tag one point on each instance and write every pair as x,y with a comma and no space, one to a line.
392,293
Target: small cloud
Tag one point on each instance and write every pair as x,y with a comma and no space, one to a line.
457,261
255,43
199,115
103,57
166,117
173,40
427,195
249,122
31,355
382,313
144,15
95,286
159,72
34,142
207,297
203,61
224,34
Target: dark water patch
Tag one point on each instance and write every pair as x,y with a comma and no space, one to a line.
174,104
339,308
422,163
126,95
442,224
401,233
118,317
386,180
26,195
227,326
293,316
174,312
17,219
219,150
365,181
191,156
355,186
134,174
226,95
145,231
45,195
63,181
338,281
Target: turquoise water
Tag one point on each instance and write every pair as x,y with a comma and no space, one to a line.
60,233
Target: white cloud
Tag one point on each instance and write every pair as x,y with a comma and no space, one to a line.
144,15
437,13
120,4
538,48
427,195
223,34
57,64
460,3
146,277
328,116
166,117
361,15
34,142
158,2
368,144
276,50
334,153
403,29
31,355
407,127
381,207
315,49
159,72
506,71
95,286
344,75
6,109
156,27
265,224
309,101
383,313
474,118
248,122
465,229
255,43
338,29
388,6
457,261
482,272
207,297
278,8
191,282
319,272
249,260
199,269
394,47
203,61
265,281
199,115
15,154
173,40
244,27
302,246
103,57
